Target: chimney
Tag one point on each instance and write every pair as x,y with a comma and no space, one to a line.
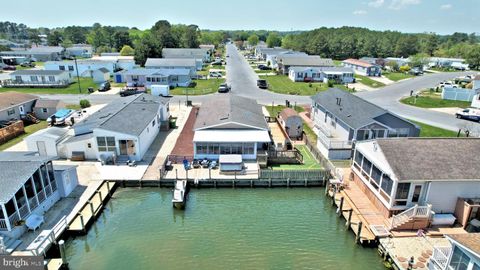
339,101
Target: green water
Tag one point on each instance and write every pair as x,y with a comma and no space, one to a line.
220,229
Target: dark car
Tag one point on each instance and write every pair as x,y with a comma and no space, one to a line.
9,68
224,88
216,63
416,71
27,64
262,84
131,91
104,87
263,67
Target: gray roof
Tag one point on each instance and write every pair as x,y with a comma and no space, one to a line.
354,111
46,49
433,159
103,70
47,103
156,71
9,99
78,138
15,169
39,72
168,62
55,133
184,52
128,115
325,69
305,60
223,109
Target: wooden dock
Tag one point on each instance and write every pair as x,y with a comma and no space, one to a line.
91,208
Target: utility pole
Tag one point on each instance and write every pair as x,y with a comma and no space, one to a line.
78,76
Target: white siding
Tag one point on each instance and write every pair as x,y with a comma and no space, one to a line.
443,195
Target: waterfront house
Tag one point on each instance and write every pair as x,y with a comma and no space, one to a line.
125,128
45,108
341,118
38,78
363,68
230,125
162,63
187,53
398,174
148,77
80,50
464,253
286,61
45,141
15,105
29,186
291,122
340,75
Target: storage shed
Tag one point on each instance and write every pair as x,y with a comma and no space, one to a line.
291,122
101,75
45,108
45,141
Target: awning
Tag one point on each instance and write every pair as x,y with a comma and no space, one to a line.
231,136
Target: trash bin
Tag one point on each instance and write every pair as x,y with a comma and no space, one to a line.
90,90
173,122
189,103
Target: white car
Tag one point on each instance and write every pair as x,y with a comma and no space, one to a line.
448,84
214,74
469,114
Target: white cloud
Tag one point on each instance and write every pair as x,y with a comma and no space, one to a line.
399,4
446,6
359,12
376,3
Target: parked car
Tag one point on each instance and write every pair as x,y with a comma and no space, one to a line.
104,87
9,68
262,84
469,114
215,74
60,117
217,63
416,71
224,88
27,64
264,67
131,91
447,84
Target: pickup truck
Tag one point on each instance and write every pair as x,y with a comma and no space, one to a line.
469,114
131,91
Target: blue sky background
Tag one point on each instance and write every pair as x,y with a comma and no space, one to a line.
440,16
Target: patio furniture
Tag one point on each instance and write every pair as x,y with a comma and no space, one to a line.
196,164
34,221
186,165
213,165
169,166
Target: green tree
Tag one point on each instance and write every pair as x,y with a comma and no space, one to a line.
54,38
162,31
84,103
288,41
393,66
274,40
127,51
96,36
33,36
190,36
76,34
419,60
120,39
430,44
473,58
253,40
147,46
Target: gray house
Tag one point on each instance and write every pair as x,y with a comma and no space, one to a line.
43,53
14,105
44,108
285,61
148,77
187,53
38,78
341,118
162,63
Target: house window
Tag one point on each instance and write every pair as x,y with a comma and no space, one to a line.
225,149
11,111
213,149
106,144
61,67
367,165
148,79
476,267
70,68
459,260
202,149
387,184
402,191
358,158
153,123
248,148
51,78
44,110
34,78
376,175
18,78
174,78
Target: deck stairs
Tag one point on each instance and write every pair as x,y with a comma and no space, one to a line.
414,218
8,245
29,117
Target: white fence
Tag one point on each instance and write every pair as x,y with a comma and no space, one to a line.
460,94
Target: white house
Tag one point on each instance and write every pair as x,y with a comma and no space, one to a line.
443,62
363,68
230,125
464,253
101,75
340,75
162,63
85,67
187,53
286,61
147,77
39,78
271,57
125,128
341,118
80,50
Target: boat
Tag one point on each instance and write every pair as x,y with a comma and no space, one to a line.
179,194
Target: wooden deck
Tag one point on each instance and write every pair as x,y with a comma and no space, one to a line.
91,208
278,134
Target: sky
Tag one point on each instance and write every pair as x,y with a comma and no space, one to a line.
413,16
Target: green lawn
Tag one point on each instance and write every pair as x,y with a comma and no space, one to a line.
368,82
75,107
263,71
397,76
430,99
282,84
337,63
28,130
431,131
309,162
71,89
203,87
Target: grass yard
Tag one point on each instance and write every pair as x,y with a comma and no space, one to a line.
206,71
282,84
397,76
430,99
309,162
263,71
431,131
75,107
71,89
368,82
28,130
203,87
337,63
310,134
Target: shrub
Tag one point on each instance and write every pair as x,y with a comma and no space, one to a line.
331,83
404,68
84,103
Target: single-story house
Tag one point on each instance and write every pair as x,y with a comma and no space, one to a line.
45,108
363,68
341,118
262,52
14,105
397,174
80,50
209,47
85,67
291,122
285,61
45,141
230,125
124,128
464,253
443,62
271,57
148,77
171,63
101,75
400,61
122,62
29,186
187,53
374,61
340,75
39,78
42,53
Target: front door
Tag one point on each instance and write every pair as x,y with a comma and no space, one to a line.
123,147
21,109
127,147
417,191
42,149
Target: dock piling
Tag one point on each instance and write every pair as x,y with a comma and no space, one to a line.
61,244
176,173
340,207
333,195
359,231
349,219
82,222
91,208
209,173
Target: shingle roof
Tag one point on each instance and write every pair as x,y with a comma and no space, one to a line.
468,240
353,110
179,62
39,72
287,112
9,99
47,103
433,158
305,60
156,71
46,49
104,70
184,52
325,69
357,62
223,109
15,169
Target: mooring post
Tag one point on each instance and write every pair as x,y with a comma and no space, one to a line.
306,182
61,245
82,222
340,207
91,208
270,182
359,231
209,173
235,174
108,187
333,195
349,219
288,182
101,198
233,183
186,174
176,173
327,187
215,183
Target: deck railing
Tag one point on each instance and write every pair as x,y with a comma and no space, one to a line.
33,203
24,211
440,257
41,196
415,211
40,84
3,224
55,232
293,174
54,185
48,192
332,143
13,219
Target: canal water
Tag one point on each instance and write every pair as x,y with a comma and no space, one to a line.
220,229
